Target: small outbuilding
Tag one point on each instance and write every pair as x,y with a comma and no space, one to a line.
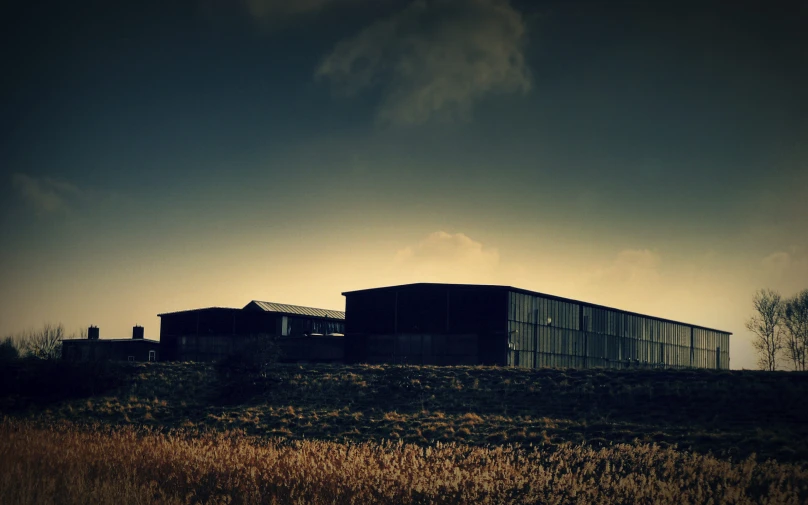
93,347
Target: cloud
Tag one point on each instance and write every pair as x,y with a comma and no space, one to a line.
269,14
434,59
447,257
632,279
274,9
631,266
786,270
44,193
776,263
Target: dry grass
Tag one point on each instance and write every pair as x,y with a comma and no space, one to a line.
68,465
731,414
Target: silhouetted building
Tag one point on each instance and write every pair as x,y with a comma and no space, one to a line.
461,324
94,347
208,334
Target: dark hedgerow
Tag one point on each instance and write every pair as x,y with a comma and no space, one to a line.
34,381
249,371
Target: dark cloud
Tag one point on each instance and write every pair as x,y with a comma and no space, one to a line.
434,59
44,193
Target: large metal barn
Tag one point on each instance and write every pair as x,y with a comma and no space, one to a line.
462,324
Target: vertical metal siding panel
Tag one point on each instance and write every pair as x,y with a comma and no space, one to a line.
543,311
668,349
702,360
526,305
726,342
527,341
510,305
567,346
678,349
674,346
703,349
519,307
726,337
551,338
689,345
556,346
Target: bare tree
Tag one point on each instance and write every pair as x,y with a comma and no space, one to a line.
45,343
766,325
795,322
80,334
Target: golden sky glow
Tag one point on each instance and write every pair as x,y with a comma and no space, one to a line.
165,156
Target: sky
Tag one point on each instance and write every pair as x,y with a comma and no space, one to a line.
162,156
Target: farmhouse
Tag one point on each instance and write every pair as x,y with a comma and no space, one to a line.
93,347
462,324
207,334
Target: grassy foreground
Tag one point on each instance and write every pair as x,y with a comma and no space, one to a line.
195,433
729,414
69,465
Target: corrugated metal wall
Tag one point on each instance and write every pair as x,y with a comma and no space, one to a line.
547,332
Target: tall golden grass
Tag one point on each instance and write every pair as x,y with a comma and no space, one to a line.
66,464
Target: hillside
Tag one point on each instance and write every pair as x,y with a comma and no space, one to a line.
729,413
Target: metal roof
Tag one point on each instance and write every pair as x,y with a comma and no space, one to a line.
196,310
535,293
296,310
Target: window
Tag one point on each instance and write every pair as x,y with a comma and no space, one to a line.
152,356
131,358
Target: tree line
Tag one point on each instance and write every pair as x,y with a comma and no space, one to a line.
780,329
43,343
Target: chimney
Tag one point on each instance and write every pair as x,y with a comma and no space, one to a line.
137,333
92,333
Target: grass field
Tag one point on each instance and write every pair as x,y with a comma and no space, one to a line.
688,435
63,464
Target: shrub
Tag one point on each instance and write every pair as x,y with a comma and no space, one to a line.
248,371
8,351
256,357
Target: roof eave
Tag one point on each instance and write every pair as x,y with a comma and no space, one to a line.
539,293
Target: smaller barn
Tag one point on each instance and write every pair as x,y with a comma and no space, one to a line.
305,334
94,347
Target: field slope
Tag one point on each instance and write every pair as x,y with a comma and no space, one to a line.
168,433
731,414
